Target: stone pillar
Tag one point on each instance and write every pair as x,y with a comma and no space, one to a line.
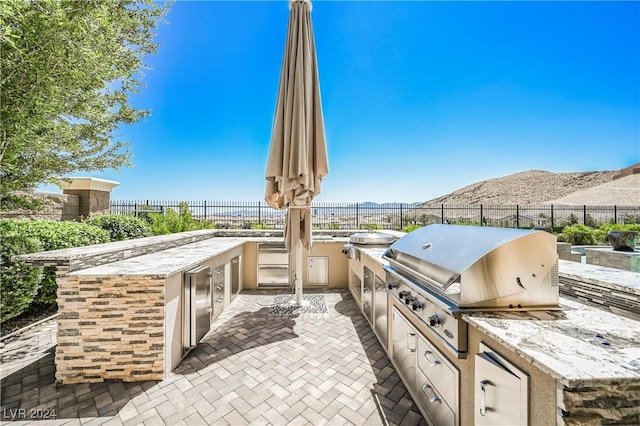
94,194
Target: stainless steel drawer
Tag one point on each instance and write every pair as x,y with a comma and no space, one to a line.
273,275
432,402
439,371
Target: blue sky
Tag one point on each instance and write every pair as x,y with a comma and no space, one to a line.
419,98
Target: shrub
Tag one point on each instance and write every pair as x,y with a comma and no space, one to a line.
259,226
121,227
578,235
410,228
171,221
53,236
18,282
370,226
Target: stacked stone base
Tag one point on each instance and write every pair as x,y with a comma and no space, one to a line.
110,328
610,405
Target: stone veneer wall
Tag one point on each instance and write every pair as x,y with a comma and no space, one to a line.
92,202
602,405
625,260
109,328
54,207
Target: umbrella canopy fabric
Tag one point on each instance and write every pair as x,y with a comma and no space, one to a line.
298,156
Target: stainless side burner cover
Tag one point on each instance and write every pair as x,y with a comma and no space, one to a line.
371,238
476,266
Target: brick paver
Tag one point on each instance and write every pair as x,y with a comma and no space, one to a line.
252,368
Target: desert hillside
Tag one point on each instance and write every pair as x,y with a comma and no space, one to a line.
531,187
624,191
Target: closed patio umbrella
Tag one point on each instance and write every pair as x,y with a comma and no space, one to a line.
298,156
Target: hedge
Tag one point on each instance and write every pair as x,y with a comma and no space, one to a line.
18,283
121,227
50,236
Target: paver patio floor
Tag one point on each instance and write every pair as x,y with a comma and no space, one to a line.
252,368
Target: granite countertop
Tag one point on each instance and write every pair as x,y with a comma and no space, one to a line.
166,262
279,239
578,345
375,253
74,253
181,258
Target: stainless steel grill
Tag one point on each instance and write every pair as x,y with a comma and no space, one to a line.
440,271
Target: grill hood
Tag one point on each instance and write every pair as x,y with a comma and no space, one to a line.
479,266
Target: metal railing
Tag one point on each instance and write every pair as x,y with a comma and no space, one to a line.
258,214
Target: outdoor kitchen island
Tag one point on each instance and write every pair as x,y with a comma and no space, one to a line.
131,310
134,319
575,365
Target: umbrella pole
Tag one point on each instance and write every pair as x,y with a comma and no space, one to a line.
298,272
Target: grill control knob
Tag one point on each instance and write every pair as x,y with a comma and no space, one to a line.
409,299
403,294
417,305
393,285
435,321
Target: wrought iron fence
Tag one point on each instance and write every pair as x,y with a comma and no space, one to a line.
396,216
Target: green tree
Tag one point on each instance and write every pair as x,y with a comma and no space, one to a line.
67,69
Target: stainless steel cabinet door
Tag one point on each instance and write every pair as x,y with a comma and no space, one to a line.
501,391
367,294
404,347
197,305
380,309
235,276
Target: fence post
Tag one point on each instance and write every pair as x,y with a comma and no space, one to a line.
400,216
135,209
259,212
481,213
205,209
615,214
552,218
517,216
357,217
442,214
584,213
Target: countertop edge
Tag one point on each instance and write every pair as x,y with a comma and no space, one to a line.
91,272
